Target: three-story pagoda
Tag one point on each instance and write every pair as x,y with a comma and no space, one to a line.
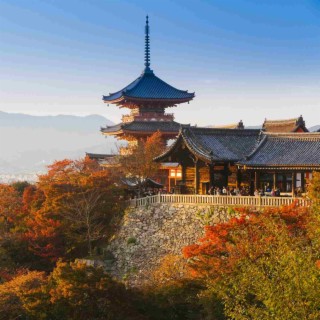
147,97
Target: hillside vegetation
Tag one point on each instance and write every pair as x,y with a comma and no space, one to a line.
259,265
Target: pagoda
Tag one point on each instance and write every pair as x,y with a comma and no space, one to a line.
147,97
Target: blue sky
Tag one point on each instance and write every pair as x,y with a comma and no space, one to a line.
244,59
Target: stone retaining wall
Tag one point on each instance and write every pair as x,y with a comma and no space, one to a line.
150,233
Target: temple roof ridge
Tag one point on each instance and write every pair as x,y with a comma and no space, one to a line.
236,125
285,125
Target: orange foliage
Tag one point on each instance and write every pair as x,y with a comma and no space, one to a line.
226,243
72,204
22,295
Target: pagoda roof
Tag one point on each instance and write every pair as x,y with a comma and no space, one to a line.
281,150
288,125
149,87
145,127
213,144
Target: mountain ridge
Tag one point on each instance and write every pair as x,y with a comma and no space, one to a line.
29,143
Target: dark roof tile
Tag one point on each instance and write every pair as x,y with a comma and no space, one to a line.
144,126
212,144
276,149
149,86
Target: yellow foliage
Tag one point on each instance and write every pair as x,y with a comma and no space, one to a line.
23,295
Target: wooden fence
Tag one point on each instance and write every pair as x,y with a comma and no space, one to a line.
248,201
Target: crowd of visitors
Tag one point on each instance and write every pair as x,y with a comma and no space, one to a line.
229,191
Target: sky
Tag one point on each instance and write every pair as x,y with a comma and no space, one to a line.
244,59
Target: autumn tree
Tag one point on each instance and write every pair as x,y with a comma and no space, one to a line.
44,232
11,229
20,186
170,292
23,297
139,162
10,210
78,291
261,265
73,291
80,199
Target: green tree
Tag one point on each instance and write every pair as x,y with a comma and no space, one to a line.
262,265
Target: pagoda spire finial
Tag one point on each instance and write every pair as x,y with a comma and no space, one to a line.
147,45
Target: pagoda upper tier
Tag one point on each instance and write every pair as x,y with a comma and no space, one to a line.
148,90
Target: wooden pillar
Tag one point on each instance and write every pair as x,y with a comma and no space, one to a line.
211,175
238,182
183,173
225,174
256,180
302,182
274,180
196,176
293,183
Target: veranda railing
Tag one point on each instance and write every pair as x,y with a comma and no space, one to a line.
248,201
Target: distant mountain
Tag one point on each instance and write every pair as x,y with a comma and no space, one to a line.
314,128
60,122
29,143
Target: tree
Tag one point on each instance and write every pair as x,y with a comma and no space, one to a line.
10,210
170,293
23,297
78,291
73,291
43,229
139,162
20,186
80,200
12,218
262,265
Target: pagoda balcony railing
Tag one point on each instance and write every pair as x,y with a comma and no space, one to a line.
210,200
149,116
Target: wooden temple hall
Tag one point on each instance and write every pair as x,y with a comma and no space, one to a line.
247,159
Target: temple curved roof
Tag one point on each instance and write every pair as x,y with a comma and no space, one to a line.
143,127
149,87
212,144
288,125
285,150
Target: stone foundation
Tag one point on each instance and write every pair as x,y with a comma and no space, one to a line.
150,233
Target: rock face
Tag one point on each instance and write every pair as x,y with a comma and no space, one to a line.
150,233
